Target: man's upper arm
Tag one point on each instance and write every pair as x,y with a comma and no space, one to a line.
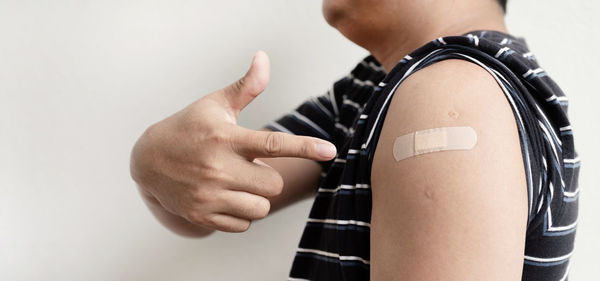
449,215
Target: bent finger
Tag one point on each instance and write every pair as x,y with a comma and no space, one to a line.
228,223
244,205
255,178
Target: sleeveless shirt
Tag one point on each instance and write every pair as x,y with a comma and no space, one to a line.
335,242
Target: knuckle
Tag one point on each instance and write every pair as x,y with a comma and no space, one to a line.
262,208
278,185
195,217
275,186
190,120
213,172
197,196
274,143
217,137
305,148
239,84
212,220
201,196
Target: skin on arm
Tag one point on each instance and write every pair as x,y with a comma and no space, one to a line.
450,215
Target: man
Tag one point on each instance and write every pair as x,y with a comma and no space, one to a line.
446,155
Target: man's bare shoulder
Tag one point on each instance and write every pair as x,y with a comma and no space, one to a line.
455,85
439,213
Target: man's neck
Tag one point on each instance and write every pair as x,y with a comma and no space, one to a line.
400,42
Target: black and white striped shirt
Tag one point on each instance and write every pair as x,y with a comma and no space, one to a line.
335,242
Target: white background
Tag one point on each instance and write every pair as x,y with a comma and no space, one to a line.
80,80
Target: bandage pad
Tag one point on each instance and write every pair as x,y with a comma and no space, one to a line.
433,140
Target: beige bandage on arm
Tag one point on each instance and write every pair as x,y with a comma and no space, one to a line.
432,140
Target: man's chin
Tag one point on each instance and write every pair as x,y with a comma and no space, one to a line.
347,21
333,13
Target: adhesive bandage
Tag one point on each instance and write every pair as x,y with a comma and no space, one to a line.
433,140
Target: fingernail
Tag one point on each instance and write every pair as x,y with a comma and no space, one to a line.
325,150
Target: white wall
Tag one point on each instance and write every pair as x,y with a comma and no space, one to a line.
80,80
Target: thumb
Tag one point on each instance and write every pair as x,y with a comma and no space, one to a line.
239,94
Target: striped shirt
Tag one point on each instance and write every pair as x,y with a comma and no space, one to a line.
335,242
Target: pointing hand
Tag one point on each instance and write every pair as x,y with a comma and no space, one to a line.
200,165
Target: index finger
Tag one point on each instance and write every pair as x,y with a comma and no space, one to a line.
267,144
